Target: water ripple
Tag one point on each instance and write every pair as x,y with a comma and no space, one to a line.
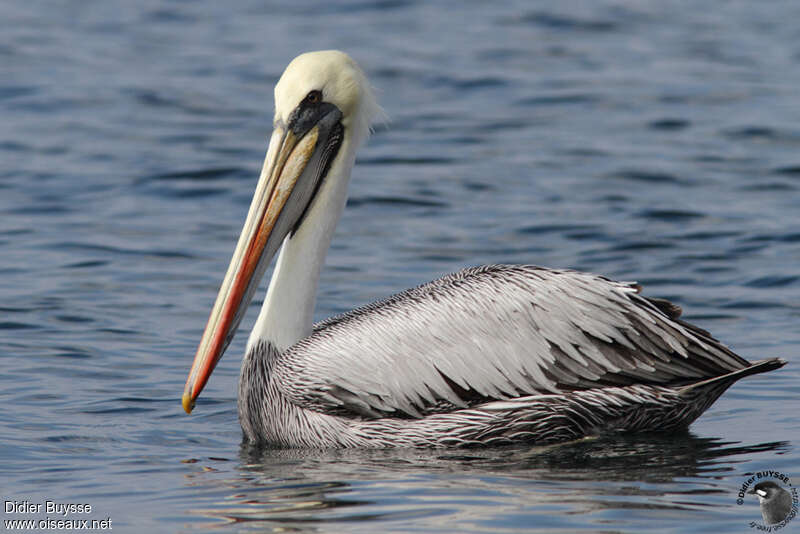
560,21
669,124
646,176
395,201
673,215
207,174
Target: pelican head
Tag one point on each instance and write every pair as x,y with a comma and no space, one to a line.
323,110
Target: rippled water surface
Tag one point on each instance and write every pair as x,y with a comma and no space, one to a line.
657,142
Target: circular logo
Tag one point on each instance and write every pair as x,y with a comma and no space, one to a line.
776,497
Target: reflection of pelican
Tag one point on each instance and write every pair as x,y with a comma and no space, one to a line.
776,502
488,355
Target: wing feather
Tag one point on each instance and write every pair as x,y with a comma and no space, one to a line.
495,333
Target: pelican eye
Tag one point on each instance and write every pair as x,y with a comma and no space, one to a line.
314,97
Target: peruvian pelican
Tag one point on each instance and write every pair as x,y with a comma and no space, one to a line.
488,355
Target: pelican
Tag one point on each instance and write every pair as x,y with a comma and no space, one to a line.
488,355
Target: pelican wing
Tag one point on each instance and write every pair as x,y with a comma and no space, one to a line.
490,333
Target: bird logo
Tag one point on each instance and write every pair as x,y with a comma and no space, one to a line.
777,498
776,502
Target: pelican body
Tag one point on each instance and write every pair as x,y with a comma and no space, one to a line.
489,355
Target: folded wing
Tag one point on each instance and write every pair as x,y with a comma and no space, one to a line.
493,333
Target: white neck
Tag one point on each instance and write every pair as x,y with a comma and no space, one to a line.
287,314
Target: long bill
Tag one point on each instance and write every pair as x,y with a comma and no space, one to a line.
282,195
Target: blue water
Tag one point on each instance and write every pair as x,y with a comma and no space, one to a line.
657,142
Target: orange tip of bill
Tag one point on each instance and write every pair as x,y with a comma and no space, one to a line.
187,402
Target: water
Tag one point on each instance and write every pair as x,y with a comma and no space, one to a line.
649,141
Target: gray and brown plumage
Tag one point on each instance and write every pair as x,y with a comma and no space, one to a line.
489,355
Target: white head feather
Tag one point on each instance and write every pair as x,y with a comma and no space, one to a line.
288,308
342,83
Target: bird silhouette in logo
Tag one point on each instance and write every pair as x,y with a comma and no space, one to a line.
776,502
